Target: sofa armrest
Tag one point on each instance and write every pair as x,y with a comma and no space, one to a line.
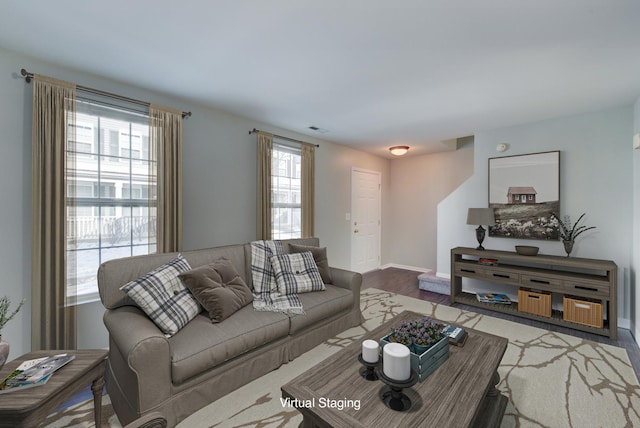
346,279
145,352
351,281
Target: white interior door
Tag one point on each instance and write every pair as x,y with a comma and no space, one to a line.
365,220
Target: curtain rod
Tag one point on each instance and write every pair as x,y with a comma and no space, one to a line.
254,130
28,76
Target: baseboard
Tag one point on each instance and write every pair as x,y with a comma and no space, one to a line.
397,266
624,323
443,275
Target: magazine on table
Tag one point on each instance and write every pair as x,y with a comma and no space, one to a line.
501,299
34,372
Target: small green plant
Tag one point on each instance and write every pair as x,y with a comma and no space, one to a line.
569,232
5,303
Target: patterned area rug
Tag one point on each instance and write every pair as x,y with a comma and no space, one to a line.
551,379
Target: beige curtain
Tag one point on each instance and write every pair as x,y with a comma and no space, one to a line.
308,190
265,152
53,318
165,140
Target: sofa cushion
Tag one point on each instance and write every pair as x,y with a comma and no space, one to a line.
296,273
319,306
163,297
202,345
319,255
219,288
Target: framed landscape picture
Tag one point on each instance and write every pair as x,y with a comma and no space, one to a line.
523,191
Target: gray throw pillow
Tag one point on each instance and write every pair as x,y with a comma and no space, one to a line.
219,288
320,257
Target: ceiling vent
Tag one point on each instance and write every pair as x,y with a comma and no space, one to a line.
320,130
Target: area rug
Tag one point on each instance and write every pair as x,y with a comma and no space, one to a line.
551,379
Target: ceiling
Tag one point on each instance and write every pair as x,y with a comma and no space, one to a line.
373,73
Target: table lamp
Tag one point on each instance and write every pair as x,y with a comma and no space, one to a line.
478,217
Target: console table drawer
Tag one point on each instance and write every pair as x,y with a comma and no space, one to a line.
587,288
536,281
502,275
469,270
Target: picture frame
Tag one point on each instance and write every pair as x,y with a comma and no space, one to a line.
523,191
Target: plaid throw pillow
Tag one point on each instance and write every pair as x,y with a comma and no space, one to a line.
296,273
163,297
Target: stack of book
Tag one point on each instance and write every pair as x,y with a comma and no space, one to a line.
34,372
488,262
457,335
501,299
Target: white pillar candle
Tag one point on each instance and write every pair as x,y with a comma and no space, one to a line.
370,351
396,363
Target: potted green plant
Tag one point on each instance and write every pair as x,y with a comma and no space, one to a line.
5,317
569,232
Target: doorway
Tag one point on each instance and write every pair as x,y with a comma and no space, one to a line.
365,224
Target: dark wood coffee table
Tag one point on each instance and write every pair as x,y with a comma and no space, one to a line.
28,407
460,393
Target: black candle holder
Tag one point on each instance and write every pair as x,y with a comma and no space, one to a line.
394,398
368,370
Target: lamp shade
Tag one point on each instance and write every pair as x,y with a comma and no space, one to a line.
480,216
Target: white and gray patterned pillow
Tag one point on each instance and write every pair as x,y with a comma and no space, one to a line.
163,296
296,273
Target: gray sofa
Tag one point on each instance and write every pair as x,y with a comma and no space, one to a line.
150,376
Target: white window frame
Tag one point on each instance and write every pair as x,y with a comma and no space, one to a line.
97,242
289,183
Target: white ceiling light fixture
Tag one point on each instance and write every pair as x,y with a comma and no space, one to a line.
399,150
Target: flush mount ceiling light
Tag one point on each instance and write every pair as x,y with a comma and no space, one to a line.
399,150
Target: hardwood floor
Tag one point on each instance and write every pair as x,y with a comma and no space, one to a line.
405,282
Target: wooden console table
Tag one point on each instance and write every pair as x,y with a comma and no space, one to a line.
582,278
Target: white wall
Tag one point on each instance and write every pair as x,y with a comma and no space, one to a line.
635,295
219,187
596,177
418,185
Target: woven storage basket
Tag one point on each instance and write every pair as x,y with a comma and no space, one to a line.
534,302
582,311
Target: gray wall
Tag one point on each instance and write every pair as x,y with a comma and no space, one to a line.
596,177
418,185
600,175
635,294
219,187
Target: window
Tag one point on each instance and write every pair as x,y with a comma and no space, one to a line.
286,175
110,192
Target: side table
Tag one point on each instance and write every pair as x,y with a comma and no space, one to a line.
28,407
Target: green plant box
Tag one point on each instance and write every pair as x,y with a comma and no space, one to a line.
426,363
